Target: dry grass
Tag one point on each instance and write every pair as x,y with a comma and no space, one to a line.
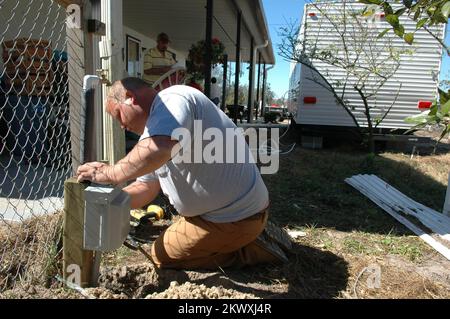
29,251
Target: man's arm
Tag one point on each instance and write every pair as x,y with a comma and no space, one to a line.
147,156
142,193
160,70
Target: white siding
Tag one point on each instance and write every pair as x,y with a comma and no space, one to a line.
417,74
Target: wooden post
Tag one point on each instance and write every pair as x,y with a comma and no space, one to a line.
76,72
82,56
76,260
114,66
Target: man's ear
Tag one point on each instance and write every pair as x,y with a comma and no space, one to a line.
130,98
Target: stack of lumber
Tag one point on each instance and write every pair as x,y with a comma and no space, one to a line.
28,67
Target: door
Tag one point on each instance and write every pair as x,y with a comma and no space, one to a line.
133,57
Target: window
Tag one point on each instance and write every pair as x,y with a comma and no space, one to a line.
133,57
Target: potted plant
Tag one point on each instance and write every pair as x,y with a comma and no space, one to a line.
195,63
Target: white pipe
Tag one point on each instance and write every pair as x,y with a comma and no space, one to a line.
89,83
263,111
252,94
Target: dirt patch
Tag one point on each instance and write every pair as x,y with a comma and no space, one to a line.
103,293
192,291
397,278
434,268
145,281
311,273
136,281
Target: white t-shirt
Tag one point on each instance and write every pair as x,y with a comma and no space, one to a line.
215,91
219,192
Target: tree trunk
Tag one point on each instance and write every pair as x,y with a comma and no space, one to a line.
371,142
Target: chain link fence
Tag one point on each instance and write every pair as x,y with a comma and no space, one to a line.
35,155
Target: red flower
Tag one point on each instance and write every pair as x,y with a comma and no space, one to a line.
215,41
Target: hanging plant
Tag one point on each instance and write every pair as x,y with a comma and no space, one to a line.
195,63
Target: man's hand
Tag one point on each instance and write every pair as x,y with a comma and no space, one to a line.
94,172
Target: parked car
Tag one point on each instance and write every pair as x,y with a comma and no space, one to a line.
276,112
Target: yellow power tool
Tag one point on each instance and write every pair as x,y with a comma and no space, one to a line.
142,216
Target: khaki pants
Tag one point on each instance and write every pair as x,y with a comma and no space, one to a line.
193,243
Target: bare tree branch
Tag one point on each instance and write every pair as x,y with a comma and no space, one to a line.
390,107
438,39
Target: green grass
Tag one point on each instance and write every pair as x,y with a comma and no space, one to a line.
354,246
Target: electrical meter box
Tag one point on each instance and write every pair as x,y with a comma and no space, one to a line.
106,218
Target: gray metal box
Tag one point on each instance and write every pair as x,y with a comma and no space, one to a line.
106,218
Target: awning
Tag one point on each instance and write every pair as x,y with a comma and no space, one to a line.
184,21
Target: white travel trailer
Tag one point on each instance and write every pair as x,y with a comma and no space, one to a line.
410,90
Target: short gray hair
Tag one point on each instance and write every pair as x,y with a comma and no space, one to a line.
132,84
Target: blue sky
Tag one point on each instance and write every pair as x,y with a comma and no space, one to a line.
278,13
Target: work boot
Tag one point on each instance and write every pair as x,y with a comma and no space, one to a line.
278,235
270,246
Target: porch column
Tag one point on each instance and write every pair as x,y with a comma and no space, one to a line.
224,82
208,36
258,85
251,80
237,65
